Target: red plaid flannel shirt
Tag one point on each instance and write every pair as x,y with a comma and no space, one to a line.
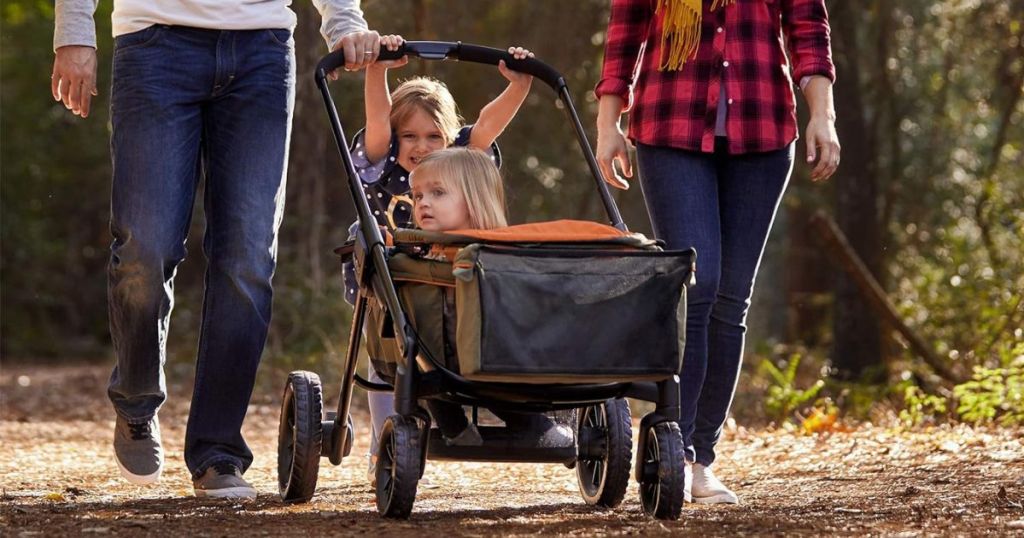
742,45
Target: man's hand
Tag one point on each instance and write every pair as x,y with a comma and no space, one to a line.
74,78
361,49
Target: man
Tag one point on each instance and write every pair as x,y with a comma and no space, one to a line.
199,88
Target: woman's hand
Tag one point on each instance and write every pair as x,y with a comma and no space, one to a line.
392,43
823,145
821,140
515,77
612,145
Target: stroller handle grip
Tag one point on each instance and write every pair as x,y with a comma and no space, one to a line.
443,50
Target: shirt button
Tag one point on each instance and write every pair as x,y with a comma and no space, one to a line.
730,101
725,63
719,29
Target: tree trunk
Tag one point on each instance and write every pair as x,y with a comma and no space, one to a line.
808,288
307,172
857,345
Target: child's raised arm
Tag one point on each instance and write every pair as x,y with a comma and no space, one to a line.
497,114
378,102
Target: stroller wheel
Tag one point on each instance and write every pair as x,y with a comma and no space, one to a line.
398,466
605,435
300,437
663,472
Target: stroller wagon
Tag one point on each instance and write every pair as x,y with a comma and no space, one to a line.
563,316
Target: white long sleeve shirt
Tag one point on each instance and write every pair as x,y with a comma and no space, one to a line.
74,25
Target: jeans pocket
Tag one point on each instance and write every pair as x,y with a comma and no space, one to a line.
280,36
141,38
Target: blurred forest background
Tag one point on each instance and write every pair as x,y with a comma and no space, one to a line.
930,196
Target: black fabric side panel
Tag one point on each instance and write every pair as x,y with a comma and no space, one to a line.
591,316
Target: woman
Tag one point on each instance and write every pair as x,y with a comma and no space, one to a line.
713,115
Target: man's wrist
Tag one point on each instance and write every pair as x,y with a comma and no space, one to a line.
76,45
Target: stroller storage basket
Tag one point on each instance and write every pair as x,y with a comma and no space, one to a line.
536,315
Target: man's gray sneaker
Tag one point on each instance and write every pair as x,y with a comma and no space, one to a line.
138,452
225,481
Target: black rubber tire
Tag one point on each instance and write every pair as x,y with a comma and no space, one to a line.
300,436
603,482
663,480
398,466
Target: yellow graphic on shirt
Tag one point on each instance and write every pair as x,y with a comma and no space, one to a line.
395,200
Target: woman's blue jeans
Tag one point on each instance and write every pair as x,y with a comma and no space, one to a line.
722,205
188,103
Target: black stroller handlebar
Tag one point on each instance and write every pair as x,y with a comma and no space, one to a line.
446,50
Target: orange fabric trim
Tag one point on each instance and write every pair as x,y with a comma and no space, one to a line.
552,231
445,253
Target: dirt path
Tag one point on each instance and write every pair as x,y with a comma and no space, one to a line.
58,478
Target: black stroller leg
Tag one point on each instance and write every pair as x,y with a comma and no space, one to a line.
405,379
339,439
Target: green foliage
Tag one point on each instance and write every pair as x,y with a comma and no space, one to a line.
54,185
857,399
310,328
994,394
920,407
784,396
955,190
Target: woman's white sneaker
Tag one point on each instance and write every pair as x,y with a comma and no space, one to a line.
688,482
707,489
371,470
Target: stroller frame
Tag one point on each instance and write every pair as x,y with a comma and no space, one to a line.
604,429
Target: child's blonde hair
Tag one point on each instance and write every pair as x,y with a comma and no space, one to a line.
475,175
432,97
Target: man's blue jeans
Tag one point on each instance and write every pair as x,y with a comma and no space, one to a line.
722,205
189,103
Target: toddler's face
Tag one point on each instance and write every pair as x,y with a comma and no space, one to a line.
438,208
417,138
